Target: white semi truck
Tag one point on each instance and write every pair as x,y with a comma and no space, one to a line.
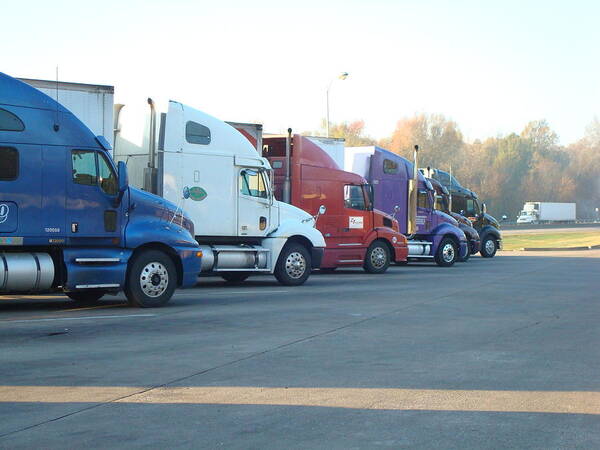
213,172
538,212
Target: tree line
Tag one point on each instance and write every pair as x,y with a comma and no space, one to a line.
505,171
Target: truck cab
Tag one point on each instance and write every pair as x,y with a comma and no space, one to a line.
213,172
356,234
465,202
70,221
401,190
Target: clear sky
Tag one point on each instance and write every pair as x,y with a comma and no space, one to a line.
490,66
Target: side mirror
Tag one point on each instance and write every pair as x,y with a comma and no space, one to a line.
322,209
462,212
123,179
122,175
504,217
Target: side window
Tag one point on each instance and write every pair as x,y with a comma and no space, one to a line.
10,122
422,199
472,208
197,134
390,166
354,197
458,204
84,167
9,164
252,183
107,176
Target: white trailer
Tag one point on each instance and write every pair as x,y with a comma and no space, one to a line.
212,171
91,103
538,212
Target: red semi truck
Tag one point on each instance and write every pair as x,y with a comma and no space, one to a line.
355,233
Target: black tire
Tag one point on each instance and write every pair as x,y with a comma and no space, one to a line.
293,265
86,297
235,277
377,258
467,256
151,279
489,246
447,253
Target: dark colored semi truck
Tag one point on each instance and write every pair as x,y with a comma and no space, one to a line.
465,202
442,203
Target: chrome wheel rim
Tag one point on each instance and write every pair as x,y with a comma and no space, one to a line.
154,279
378,257
295,265
490,246
448,253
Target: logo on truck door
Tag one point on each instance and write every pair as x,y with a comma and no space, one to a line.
196,193
355,222
4,210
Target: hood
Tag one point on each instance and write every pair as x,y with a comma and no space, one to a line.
461,219
290,212
492,220
446,218
158,207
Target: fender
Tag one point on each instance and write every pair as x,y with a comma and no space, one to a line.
289,228
488,229
446,228
399,245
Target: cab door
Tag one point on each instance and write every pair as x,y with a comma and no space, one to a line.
92,189
254,202
353,224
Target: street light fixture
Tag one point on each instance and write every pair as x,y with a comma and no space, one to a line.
342,76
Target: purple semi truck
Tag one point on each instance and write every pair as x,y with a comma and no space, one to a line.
431,234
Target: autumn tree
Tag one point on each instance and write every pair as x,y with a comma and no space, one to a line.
352,132
439,138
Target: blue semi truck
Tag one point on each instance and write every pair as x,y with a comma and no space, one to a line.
70,222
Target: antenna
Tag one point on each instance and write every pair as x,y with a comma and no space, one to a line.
56,125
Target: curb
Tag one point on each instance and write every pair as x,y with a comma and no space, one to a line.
534,249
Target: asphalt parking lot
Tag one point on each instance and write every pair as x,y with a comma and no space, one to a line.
500,353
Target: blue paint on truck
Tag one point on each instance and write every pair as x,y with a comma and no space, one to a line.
70,221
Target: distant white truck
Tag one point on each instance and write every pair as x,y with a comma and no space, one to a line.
538,212
91,103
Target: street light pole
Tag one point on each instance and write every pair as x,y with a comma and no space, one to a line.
341,76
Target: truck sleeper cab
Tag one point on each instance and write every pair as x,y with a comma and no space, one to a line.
70,221
213,172
432,235
356,234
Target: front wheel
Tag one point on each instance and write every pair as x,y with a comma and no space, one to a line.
488,247
151,279
377,259
447,253
293,266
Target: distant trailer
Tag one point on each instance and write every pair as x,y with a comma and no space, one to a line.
539,212
91,103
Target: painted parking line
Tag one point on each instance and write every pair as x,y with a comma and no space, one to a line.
49,319
558,402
